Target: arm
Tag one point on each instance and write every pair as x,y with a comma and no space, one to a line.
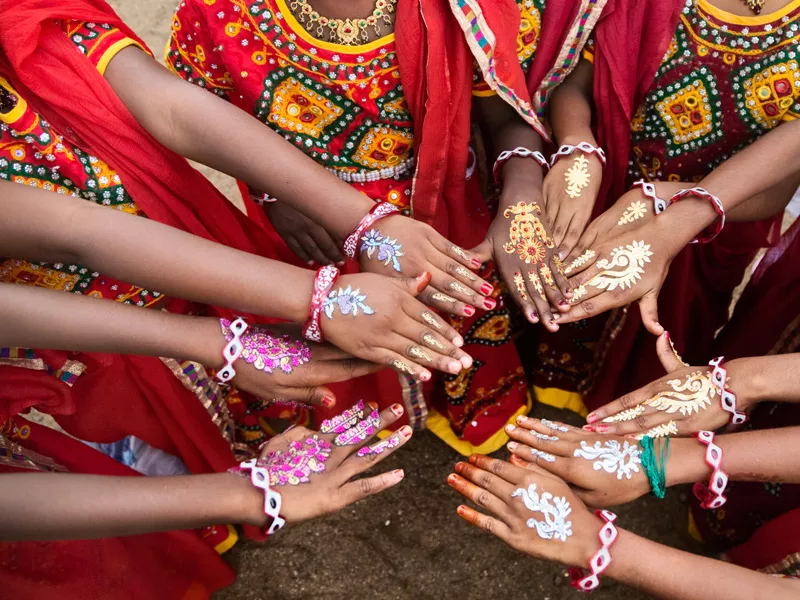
571,107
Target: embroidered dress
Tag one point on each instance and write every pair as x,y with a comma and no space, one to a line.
723,82
344,106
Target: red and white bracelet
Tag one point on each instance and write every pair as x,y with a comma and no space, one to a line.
719,377
649,190
378,212
261,198
585,147
601,559
711,497
259,477
232,351
323,283
520,152
716,203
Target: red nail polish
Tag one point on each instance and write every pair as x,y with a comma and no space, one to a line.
327,401
486,289
459,467
602,428
397,409
534,315
666,335
451,478
469,310
476,263
489,303
589,428
592,418
374,405
405,431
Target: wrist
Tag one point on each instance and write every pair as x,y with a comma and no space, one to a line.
575,138
687,462
245,501
204,342
357,210
304,285
750,384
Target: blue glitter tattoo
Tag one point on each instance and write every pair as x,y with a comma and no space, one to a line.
388,250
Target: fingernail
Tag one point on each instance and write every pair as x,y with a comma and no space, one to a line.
374,405
666,334
591,418
489,303
456,367
327,401
397,409
459,467
469,310
472,459
510,428
588,428
601,428
461,510
458,341
425,376
521,419
451,479
563,303
406,431
534,317
398,473
511,445
486,289
475,262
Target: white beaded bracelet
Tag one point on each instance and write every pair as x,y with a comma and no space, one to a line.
232,351
649,190
520,152
585,147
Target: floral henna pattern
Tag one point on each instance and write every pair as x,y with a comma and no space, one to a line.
636,210
693,395
612,458
348,301
663,430
580,261
519,282
343,422
361,431
380,447
554,509
296,464
388,250
577,176
547,276
527,235
625,267
626,415
533,277
267,353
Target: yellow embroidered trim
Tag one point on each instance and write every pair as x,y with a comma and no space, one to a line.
115,49
16,113
733,19
229,542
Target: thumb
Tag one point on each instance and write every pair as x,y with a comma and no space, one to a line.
667,355
319,395
648,305
415,285
483,251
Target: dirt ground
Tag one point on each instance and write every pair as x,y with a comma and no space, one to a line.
407,544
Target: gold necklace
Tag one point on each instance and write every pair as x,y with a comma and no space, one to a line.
344,31
755,5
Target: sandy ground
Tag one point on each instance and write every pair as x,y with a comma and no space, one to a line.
408,543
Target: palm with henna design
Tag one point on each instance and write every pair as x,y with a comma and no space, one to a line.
685,397
603,470
321,484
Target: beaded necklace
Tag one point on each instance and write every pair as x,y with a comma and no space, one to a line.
346,31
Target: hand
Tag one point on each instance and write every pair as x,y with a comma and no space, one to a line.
534,512
682,402
568,215
601,476
310,242
527,258
399,245
312,469
379,319
290,368
630,266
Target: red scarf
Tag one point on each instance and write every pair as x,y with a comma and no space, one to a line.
74,97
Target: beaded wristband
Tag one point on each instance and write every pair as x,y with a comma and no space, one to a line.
715,202
649,190
719,377
711,497
505,155
259,477
585,147
323,283
232,351
601,559
378,212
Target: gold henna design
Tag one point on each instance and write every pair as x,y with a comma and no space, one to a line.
686,397
459,252
431,341
636,210
580,261
440,297
665,430
520,283
527,235
577,176
559,266
466,274
578,293
631,261
547,276
626,415
537,283
431,320
460,289
675,353
402,367
419,353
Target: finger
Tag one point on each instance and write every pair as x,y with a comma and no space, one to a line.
325,242
536,291
669,357
432,350
641,423
541,441
622,408
548,462
319,395
368,456
560,278
648,305
342,370
555,297
519,292
416,310
486,479
509,473
295,247
560,226
480,288
481,253
524,463
369,486
583,254
307,242
594,305
554,428
481,521
393,357
478,495
465,257
444,302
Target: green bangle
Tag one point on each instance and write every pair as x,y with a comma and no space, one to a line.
655,464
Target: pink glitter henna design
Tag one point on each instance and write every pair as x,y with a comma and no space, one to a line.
343,422
295,465
267,353
380,447
363,430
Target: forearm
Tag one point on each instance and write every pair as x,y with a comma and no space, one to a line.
40,226
766,456
672,574
206,129
571,107
55,506
38,318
